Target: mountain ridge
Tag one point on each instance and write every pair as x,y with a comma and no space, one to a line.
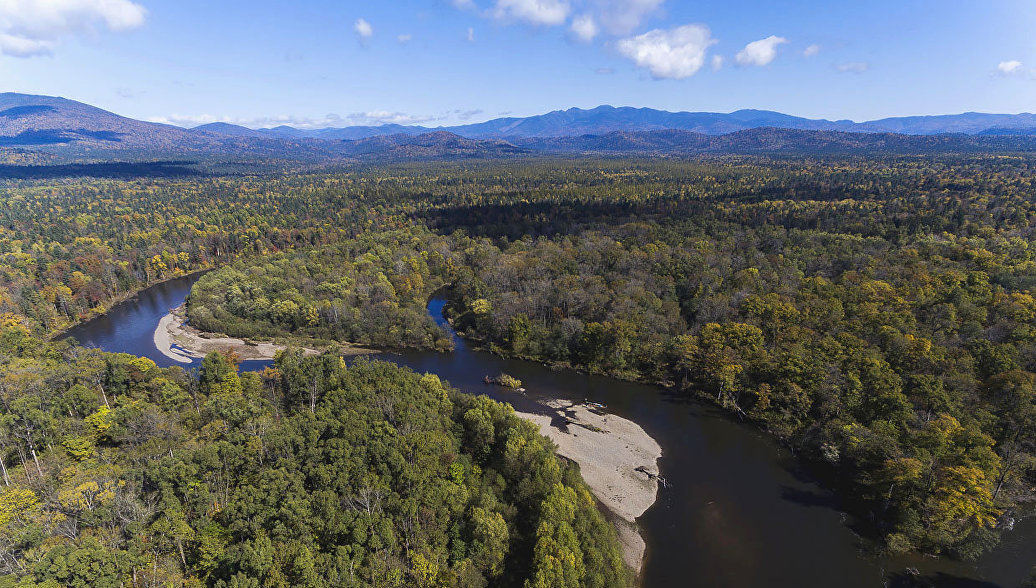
604,119
57,126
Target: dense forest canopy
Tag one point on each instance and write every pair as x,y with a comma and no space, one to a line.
875,314
307,474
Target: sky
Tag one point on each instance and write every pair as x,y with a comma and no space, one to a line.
317,63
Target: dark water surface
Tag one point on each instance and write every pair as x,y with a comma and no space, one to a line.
739,511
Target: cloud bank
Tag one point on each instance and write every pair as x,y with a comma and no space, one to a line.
35,27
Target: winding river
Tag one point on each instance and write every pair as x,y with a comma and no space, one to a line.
739,511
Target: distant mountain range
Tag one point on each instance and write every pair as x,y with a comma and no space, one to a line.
79,131
576,122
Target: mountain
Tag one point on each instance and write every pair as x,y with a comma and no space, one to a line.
227,129
53,127
42,128
970,123
606,119
27,120
576,122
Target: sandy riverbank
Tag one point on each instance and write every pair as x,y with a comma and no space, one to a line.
608,460
183,343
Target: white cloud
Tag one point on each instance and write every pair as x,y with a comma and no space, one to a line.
615,17
717,62
537,12
1009,67
584,28
384,117
403,39
856,67
467,114
34,27
674,54
811,50
363,28
23,47
621,17
471,35
760,52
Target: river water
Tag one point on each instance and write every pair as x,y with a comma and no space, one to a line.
739,511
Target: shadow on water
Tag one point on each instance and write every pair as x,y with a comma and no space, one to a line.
740,512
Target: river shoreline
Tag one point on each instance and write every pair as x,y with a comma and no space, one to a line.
609,450
118,300
181,342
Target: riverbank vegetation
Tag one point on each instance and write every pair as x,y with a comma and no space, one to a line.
369,290
116,472
874,314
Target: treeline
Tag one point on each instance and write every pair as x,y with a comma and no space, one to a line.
116,473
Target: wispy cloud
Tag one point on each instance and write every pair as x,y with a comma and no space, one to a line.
404,39
622,17
35,27
669,54
856,67
717,62
811,50
584,28
761,52
471,35
367,118
465,115
363,29
615,17
537,12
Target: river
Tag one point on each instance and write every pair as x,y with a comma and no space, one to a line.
739,511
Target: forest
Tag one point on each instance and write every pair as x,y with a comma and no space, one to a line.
118,472
874,314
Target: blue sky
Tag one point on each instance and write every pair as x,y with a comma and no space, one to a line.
432,62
